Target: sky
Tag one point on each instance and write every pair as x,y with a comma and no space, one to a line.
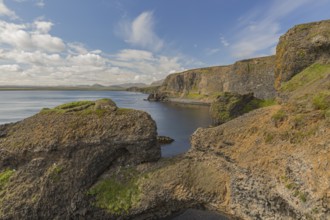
108,42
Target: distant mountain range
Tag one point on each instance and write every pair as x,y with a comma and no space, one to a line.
77,87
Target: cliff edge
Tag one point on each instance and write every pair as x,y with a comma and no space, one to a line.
246,76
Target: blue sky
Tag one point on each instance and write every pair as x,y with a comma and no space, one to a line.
75,42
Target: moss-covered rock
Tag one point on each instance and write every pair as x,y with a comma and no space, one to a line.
60,153
228,106
300,47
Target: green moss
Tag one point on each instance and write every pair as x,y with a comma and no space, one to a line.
69,107
115,196
269,137
123,111
194,95
302,197
307,76
55,172
291,186
99,112
72,105
4,177
258,103
301,54
321,101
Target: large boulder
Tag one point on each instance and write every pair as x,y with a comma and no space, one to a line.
300,47
49,161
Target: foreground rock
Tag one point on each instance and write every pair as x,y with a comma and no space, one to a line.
49,162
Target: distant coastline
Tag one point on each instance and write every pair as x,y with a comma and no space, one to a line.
62,88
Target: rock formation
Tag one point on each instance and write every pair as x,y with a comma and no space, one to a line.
50,161
300,47
229,105
246,76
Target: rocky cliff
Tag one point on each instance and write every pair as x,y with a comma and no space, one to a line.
300,47
49,162
271,163
246,76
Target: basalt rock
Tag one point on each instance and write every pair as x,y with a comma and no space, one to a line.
228,106
164,140
246,76
157,97
300,47
50,160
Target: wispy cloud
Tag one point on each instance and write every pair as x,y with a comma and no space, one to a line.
40,3
212,51
140,32
258,31
5,11
224,41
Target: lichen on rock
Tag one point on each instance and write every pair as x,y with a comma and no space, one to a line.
60,153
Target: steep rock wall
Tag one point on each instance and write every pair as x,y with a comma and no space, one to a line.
246,76
300,47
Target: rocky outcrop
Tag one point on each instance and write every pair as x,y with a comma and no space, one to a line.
50,161
246,76
300,47
228,106
157,97
164,140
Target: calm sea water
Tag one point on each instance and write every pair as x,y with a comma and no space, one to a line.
174,120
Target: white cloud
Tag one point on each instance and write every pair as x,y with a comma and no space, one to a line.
43,27
5,11
224,41
30,55
140,32
10,68
21,37
258,32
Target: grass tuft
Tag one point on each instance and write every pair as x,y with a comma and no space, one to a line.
116,197
4,177
321,101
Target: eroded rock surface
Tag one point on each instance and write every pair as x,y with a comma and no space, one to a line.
54,157
300,47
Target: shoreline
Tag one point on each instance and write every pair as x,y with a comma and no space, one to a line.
188,101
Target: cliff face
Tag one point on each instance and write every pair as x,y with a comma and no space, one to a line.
49,162
300,47
247,76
